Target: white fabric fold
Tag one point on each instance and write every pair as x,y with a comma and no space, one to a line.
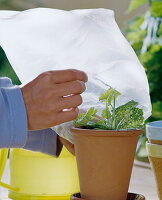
43,39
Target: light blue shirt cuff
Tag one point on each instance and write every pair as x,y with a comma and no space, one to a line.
45,141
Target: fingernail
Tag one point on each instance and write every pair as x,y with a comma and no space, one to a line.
83,86
77,110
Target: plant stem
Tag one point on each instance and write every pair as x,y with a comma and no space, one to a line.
107,113
114,122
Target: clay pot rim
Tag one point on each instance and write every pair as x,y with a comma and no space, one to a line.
105,133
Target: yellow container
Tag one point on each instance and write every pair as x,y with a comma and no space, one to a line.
37,176
155,157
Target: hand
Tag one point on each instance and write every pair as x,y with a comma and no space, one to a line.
67,144
49,94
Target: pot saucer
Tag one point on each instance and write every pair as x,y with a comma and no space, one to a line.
131,196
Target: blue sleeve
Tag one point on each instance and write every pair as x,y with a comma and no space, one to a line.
13,124
13,119
45,141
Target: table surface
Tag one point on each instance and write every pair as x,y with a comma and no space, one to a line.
142,182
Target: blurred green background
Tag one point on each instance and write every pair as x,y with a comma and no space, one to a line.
143,31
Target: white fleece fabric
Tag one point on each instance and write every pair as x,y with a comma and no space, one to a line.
42,39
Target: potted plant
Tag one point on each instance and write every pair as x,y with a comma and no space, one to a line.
105,147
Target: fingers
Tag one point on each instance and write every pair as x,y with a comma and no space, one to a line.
73,87
65,116
69,102
74,109
49,94
62,76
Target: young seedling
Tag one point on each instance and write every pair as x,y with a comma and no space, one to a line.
127,116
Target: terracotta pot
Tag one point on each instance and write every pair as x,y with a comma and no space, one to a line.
130,196
105,160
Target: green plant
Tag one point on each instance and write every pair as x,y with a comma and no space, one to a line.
127,116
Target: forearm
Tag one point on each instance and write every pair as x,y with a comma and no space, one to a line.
13,124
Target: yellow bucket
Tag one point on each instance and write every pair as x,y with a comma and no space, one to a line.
36,176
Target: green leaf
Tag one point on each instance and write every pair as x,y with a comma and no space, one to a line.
104,113
109,94
123,117
83,119
156,8
160,30
91,112
105,95
79,120
128,116
6,69
135,4
136,23
157,110
99,125
136,38
155,48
